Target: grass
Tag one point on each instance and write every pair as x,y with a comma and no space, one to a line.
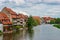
57,25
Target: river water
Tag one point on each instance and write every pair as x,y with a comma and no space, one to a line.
41,32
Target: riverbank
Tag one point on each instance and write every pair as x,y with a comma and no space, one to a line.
57,25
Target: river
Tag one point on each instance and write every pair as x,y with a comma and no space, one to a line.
41,32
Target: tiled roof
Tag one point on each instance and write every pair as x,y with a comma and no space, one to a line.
23,16
5,23
9,10
14,16
4,19
47,18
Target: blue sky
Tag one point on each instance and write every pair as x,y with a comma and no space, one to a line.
34,7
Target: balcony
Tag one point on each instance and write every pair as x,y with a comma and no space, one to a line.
18,23
18,19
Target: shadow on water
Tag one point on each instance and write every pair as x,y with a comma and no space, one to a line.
7,37
31,34
14,36
19,35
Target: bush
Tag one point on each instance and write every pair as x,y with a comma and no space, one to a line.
16,27
52,22
57,25
57,20
35,23
1,32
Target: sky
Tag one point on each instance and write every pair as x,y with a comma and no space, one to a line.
33,7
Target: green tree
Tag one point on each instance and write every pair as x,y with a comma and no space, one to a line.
57,20
52,22
30,23
35,23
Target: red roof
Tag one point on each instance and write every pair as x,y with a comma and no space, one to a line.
23,16
14,16
4,19
9,10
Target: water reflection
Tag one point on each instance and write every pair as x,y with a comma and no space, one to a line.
42,32
20,35
7,37
14,36
29,35
1,37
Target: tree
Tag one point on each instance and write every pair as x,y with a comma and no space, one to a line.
52,21
30,23
57,20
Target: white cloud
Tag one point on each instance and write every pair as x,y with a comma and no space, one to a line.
39,7
17,10
21,12
34,8
51,0
2,0
18,2
33,1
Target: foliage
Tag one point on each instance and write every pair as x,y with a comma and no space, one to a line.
52,22
17,27
31,22
57,25
1,32
35,23
57,20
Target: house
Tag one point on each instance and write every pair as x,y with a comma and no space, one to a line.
11,14
17,19
47,19
22,19
7,24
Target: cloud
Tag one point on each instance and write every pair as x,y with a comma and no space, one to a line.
33,1
22,12
45,10
18,11
2,0
34,7
18,2
51,0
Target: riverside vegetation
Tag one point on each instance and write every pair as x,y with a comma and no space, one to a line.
31,22
56,22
